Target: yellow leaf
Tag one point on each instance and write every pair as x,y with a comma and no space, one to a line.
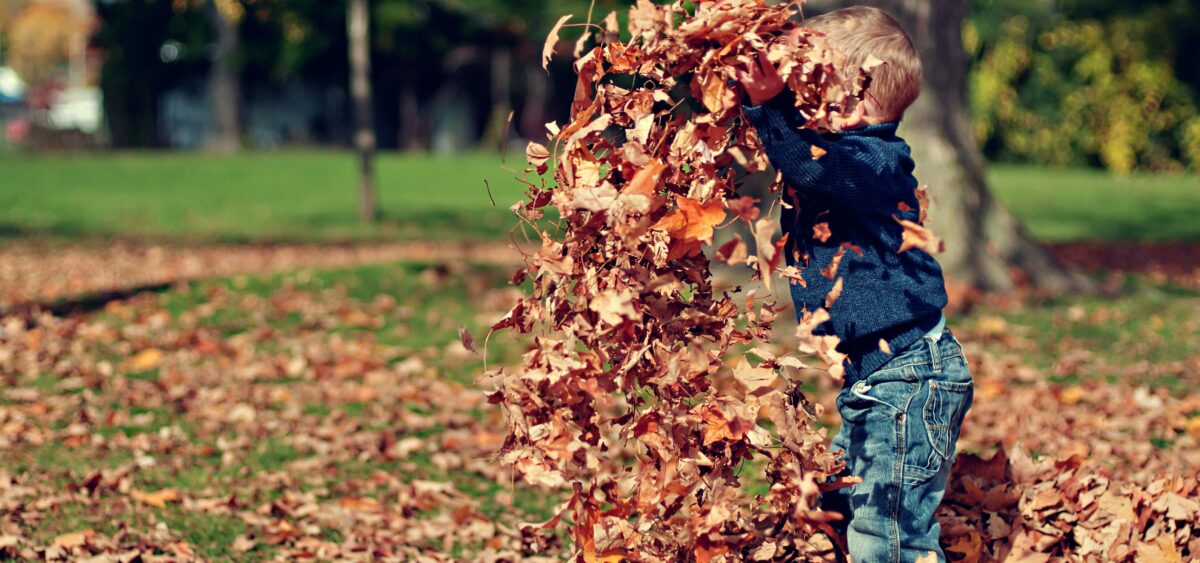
157,499
1072,395
146,360
73,539
1193,426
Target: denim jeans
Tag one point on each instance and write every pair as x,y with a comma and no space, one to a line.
899,428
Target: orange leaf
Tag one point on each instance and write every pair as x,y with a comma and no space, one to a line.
917,236
821,232
693,221
73,539
147,359
818,152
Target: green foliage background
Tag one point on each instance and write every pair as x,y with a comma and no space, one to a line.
1096,82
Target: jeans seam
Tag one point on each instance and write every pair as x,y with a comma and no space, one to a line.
898,488
901,422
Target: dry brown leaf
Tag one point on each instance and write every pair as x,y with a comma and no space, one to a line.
916,236
552,41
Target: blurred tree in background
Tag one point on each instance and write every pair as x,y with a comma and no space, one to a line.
1087,82
1102,83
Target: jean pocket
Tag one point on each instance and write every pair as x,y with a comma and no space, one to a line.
944,410
886,397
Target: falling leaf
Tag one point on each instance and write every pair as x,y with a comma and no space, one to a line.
693,221
821,232
834,293
537,155
916,236
753,378
614,307
465,337
733,252
552,41
817,152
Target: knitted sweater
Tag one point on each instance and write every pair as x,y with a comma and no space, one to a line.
859,187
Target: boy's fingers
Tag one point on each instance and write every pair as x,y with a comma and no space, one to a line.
764,62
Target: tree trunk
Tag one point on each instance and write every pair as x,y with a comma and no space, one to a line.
224,84
358,27
537,96
501,77
985,246
410,114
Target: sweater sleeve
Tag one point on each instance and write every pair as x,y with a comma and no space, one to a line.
846,171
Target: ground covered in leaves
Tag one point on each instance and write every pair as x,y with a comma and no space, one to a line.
333,414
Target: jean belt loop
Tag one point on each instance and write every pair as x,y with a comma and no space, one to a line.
935,355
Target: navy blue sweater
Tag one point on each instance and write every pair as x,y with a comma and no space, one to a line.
857,187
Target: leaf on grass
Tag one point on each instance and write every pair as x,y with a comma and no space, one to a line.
243,544
157,499
72,540
145,360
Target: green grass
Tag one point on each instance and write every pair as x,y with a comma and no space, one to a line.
1079,204
281,196
312,196
1144,324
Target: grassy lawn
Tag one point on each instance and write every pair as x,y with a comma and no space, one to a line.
1077,204
311,196
281,196
297,410
289,410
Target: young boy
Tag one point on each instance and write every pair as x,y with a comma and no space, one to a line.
907,386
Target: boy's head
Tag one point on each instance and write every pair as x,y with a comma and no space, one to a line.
860,32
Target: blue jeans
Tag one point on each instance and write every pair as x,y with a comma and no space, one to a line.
899,428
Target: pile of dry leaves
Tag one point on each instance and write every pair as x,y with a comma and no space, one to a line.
618,399
626,399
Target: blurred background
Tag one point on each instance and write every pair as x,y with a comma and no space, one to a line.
185,119
245,244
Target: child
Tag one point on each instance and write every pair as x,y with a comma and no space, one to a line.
907,386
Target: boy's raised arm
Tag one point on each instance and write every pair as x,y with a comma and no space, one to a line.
834,168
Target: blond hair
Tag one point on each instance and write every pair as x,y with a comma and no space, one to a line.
861,32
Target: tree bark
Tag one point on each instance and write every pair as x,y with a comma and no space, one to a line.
358,26
224,84
501,78
410,114
985,246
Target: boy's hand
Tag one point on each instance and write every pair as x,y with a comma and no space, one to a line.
760,80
